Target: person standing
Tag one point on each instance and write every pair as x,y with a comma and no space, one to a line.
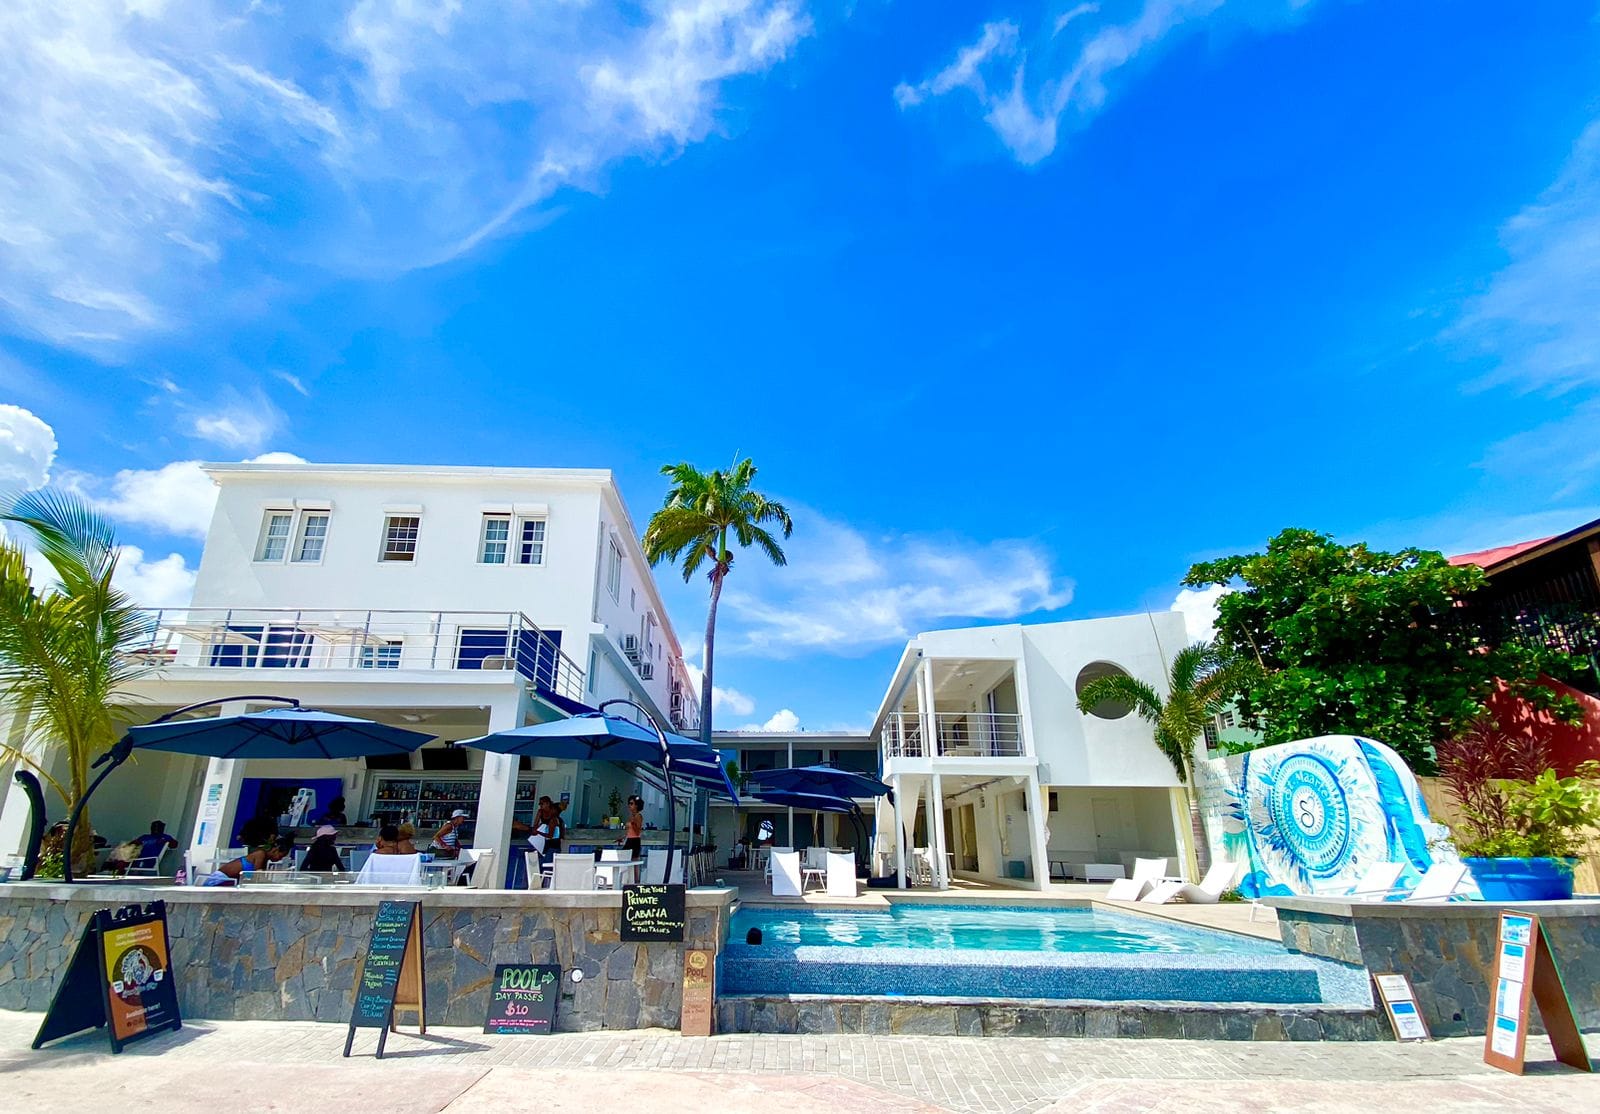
447,840
633,832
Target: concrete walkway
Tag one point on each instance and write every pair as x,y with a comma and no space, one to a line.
297,1068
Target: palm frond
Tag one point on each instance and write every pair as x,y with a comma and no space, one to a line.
1119,688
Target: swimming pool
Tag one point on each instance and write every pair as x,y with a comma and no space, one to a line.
974,951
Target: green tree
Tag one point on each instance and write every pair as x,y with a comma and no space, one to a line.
63,672
1203,680
1352,640
701,513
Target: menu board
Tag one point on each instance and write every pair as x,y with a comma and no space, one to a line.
652,914
391,976
699,992
522,998
120,977
1525,975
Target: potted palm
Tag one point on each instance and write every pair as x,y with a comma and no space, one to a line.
1523,826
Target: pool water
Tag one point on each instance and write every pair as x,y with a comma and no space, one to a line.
976,928
1011,952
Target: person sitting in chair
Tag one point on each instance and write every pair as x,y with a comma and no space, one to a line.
322,857
144,850
229,873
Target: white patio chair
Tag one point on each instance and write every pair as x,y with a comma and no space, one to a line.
572,872
786,874
655,868
814,866
841,874
922,866
766,860
483,873
1146,873
148,866
391,870
1210,889
536,869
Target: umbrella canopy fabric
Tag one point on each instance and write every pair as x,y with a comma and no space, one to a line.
277,733
829,781
693,760
815,802
591,737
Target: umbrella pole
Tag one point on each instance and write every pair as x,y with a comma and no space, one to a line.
666,771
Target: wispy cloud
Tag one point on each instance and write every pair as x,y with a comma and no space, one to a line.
1028,88
177,498
845,592
143,146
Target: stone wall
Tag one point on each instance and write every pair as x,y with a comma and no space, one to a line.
1447,950
261,954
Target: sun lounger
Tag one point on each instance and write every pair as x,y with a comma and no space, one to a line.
786,874
1210,889
1443,881
841,874
1146,873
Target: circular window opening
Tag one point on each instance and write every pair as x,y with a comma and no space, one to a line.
1094,671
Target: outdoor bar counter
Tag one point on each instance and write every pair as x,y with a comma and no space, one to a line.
272,952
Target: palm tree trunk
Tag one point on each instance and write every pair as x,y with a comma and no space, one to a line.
1197,832
711,642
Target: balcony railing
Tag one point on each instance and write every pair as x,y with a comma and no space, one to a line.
956,735
287,638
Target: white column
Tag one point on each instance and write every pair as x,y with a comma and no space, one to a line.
497,793
1038,834
936,847
899,836
930,721
219,798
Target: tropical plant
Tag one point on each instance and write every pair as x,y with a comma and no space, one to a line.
1203,680
1512,803
1355,640
63,673
700,514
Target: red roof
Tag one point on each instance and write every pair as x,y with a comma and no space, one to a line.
1489,558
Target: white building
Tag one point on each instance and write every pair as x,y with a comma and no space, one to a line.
980,729
457,601
755,751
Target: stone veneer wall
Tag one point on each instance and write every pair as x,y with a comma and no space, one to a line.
1447,950
270,954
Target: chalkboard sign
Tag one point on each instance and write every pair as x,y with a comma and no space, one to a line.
391,976
652,914
522,998
120,977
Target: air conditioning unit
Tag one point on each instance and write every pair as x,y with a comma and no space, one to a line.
647,671
630,647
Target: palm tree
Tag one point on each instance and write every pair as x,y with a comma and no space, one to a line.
693,526
62,668
1202,681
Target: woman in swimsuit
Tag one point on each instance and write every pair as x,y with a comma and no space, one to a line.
229,873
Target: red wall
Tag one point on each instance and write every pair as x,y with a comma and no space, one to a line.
1570,744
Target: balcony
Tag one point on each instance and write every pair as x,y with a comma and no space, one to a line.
956,735
286,638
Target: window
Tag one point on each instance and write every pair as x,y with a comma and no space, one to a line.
633,599
1094,671
592,665
400,537
530,546
1213,737
275,536
313,533
496,539
614,572
384,656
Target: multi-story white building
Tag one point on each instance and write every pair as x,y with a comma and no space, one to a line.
454,600
980,730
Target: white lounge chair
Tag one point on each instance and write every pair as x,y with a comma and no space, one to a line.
786,874
1440,882
841,874
572,872
1377,883
1210,889
391,870
483,873
1146,873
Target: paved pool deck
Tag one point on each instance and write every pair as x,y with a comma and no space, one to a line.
294,1067
1241,917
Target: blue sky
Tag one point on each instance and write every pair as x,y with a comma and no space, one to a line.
1022,306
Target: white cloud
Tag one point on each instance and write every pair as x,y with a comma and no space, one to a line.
144,146
1026,92
1199,608
781,720
164,582
238,426
1538,315
836,594
177,498
27,449
722,699
294,382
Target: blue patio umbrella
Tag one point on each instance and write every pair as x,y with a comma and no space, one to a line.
590,737
277,733
291,732
814,802
829,781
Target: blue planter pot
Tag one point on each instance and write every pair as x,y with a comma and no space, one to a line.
1523,879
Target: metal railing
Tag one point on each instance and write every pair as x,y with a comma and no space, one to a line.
364,640
956,735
